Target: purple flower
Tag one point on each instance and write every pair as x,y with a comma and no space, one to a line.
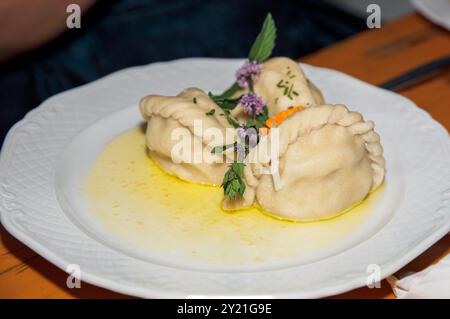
249,132
248,72
252,104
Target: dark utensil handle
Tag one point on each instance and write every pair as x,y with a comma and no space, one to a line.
417,73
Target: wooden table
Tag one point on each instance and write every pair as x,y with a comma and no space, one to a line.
373,56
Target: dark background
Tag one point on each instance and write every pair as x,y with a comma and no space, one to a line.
116,34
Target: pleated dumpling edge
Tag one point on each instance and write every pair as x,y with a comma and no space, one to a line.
329,159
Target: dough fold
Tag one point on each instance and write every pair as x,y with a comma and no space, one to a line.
171,119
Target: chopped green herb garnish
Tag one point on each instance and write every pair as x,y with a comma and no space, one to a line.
210,112
194,100
280,84
290,91
287,89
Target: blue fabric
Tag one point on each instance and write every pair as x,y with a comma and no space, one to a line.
120,33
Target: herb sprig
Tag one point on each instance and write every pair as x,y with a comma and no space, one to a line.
233,183
260,120
260,51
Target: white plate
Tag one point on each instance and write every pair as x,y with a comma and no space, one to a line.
78,158
438,11
418,181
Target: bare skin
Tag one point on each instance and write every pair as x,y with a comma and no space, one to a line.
28,24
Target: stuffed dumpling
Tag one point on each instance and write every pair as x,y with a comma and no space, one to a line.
188,112
283,83
329,160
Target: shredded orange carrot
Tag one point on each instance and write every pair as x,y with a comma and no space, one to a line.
280,117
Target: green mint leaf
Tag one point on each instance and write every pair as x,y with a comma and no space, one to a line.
238,168
262,118
228,104
241,188
225,103
228,178
232,90
233,184
251,122
233,122
265,41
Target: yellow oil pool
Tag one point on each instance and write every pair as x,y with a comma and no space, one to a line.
133,198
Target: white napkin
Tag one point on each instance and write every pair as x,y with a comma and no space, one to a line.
433,282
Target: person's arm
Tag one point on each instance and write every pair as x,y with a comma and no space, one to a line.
27,24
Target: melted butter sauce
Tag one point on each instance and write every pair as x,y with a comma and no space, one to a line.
146,207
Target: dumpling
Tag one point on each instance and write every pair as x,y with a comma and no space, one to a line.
166,114
329,160
282,84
